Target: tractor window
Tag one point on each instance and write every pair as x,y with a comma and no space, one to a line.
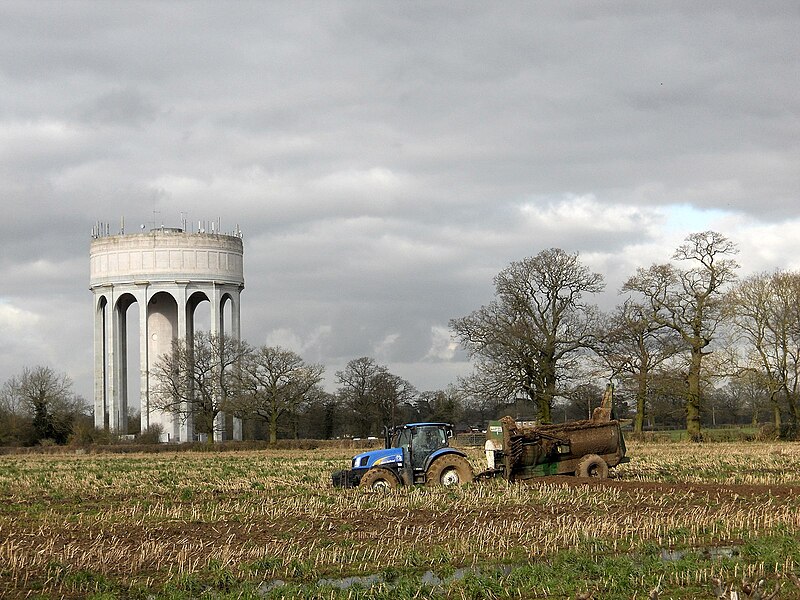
426,440
402,439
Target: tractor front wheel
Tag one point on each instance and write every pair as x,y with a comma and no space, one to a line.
378,478
450,469
592,465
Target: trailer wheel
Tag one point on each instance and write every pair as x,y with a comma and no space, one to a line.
378,478
592,465
450,469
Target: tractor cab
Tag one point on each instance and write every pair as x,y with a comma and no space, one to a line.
418,441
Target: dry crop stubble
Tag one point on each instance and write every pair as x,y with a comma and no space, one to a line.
133,520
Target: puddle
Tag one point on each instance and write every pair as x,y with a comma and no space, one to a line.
429,578
706,552
268,586
364,581
432,579
343,583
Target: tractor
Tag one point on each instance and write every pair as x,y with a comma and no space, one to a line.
415,453
420,453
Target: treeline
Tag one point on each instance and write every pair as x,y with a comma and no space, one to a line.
689,345
277,394
38,406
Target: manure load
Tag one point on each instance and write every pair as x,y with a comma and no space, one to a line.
586,448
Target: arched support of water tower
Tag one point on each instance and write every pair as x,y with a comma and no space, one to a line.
100,374
232,296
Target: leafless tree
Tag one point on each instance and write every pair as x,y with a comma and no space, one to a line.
199,381
274,381
750,389
524,339
45,398
372,394
357,392
690,301
319,416
11,419
391,395
634,345
441,405
766,311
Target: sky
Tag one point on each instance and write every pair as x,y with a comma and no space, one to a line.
385,160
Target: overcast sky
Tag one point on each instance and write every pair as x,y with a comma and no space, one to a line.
385,160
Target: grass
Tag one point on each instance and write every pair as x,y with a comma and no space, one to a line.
267,524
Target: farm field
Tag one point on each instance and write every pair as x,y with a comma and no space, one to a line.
268,524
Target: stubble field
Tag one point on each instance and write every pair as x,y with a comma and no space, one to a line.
268,524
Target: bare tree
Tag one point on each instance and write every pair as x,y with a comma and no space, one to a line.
393,397
11,418
667,397
319,416
357,391
199,381
441,405
634,346
766,312
750,388
373,395
274,381
524,339
581,401
45,397
477,407
690,301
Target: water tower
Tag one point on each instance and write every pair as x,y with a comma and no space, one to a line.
168,273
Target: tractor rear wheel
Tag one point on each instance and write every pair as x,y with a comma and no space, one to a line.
450,469
378,478
592,465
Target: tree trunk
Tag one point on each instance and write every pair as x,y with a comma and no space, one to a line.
204,423
545,414
693,398
793,413
273,427
548,391
641,397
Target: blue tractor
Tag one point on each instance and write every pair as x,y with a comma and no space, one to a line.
415,453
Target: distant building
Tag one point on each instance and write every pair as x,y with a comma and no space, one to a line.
167,273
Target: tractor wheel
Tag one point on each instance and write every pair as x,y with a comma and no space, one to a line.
592,465
450,469
378,478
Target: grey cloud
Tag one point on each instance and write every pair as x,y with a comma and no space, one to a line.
378,156
119,107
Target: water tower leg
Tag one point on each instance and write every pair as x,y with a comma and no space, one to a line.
144,373
99,367
219,428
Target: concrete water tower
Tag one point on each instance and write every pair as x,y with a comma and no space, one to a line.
168,273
